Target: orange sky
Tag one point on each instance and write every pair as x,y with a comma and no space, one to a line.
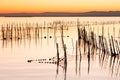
36,6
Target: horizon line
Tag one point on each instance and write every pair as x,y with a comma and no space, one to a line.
54,12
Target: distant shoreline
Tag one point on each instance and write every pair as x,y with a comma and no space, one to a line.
64,14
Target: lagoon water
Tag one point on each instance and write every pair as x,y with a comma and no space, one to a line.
14,54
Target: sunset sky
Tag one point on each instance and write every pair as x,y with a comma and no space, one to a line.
37,6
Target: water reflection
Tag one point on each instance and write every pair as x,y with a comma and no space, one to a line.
114,65
77,56
80,54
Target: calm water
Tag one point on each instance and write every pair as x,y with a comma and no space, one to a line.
15,53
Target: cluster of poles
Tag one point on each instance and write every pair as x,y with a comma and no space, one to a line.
105,45
10,32
102,46
92,43
28,30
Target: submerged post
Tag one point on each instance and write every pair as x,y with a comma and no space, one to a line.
57,54
57,58
65,55
76,57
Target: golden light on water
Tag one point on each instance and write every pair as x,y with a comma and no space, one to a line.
28,48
